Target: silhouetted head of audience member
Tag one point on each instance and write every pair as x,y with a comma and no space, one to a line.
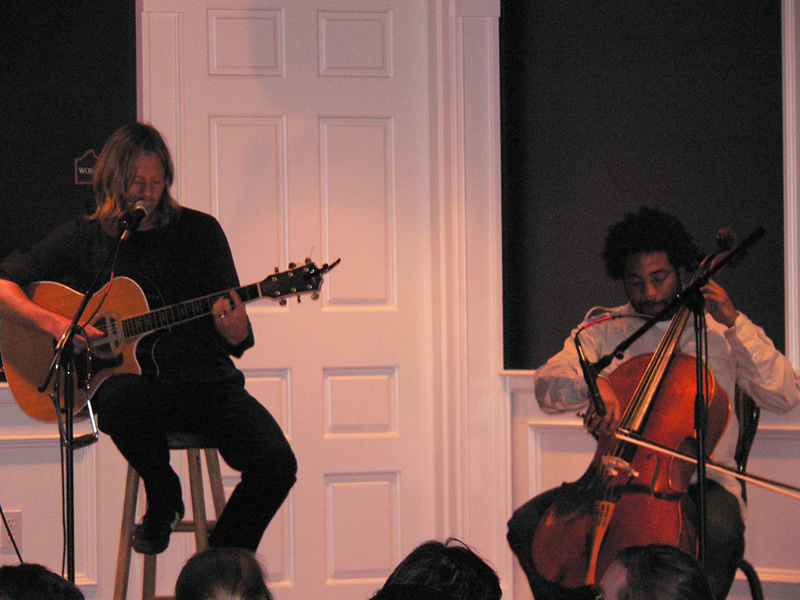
410,592
28,581
655,572
222,574
447,571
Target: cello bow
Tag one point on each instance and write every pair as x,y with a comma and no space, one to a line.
775,486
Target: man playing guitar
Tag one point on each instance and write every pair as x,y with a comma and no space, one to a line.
175,254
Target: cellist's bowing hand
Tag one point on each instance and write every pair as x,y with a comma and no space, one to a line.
718,303
607,424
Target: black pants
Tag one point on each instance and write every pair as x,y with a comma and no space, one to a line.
724,542
138,414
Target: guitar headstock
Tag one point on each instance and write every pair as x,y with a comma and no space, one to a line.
295,281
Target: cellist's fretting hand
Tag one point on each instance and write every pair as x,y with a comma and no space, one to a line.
608,424
718,303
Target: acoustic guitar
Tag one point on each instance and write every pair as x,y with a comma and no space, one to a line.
121,311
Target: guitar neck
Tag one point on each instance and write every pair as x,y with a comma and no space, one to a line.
181,312
297,280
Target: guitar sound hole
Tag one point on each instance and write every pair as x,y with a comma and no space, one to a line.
108,346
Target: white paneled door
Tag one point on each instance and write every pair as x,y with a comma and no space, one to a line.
302,126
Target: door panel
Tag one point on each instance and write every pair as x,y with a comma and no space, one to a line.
303,129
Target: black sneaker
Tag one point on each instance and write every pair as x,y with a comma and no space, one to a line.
152,535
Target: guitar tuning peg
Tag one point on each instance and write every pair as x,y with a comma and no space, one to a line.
299,298
282,301
277,270
315,296
308,260
292,265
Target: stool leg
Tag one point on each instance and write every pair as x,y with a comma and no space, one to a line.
126,534
215,479
149,577
199,522
198,500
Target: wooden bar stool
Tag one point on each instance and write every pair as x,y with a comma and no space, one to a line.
192,443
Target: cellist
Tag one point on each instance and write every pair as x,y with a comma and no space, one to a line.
654,256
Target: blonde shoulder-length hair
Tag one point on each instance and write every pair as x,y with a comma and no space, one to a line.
116,169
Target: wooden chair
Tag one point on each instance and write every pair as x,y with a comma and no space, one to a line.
199,524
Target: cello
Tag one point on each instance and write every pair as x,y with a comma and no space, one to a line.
631,494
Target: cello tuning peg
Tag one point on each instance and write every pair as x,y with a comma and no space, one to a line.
727,238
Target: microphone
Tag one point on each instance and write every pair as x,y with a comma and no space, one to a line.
134,218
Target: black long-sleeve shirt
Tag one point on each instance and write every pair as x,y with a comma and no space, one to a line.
186,259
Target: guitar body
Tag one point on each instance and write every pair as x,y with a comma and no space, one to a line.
121,311
28,353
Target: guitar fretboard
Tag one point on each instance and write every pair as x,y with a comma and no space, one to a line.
182,311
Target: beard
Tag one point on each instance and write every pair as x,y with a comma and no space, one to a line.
657,309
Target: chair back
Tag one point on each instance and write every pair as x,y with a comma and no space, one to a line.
748,414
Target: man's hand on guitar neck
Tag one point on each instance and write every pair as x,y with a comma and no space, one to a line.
230,317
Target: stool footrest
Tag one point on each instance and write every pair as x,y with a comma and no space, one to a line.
190,526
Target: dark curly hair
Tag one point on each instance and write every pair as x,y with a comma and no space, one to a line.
648,230
662,572
451,568
31,581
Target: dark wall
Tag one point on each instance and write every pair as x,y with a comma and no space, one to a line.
68,81
610,106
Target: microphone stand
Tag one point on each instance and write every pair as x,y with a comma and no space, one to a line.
693,299
696,303
61,373
590,376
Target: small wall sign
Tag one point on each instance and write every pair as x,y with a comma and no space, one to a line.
84,168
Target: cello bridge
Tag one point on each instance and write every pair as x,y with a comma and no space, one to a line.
614,466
